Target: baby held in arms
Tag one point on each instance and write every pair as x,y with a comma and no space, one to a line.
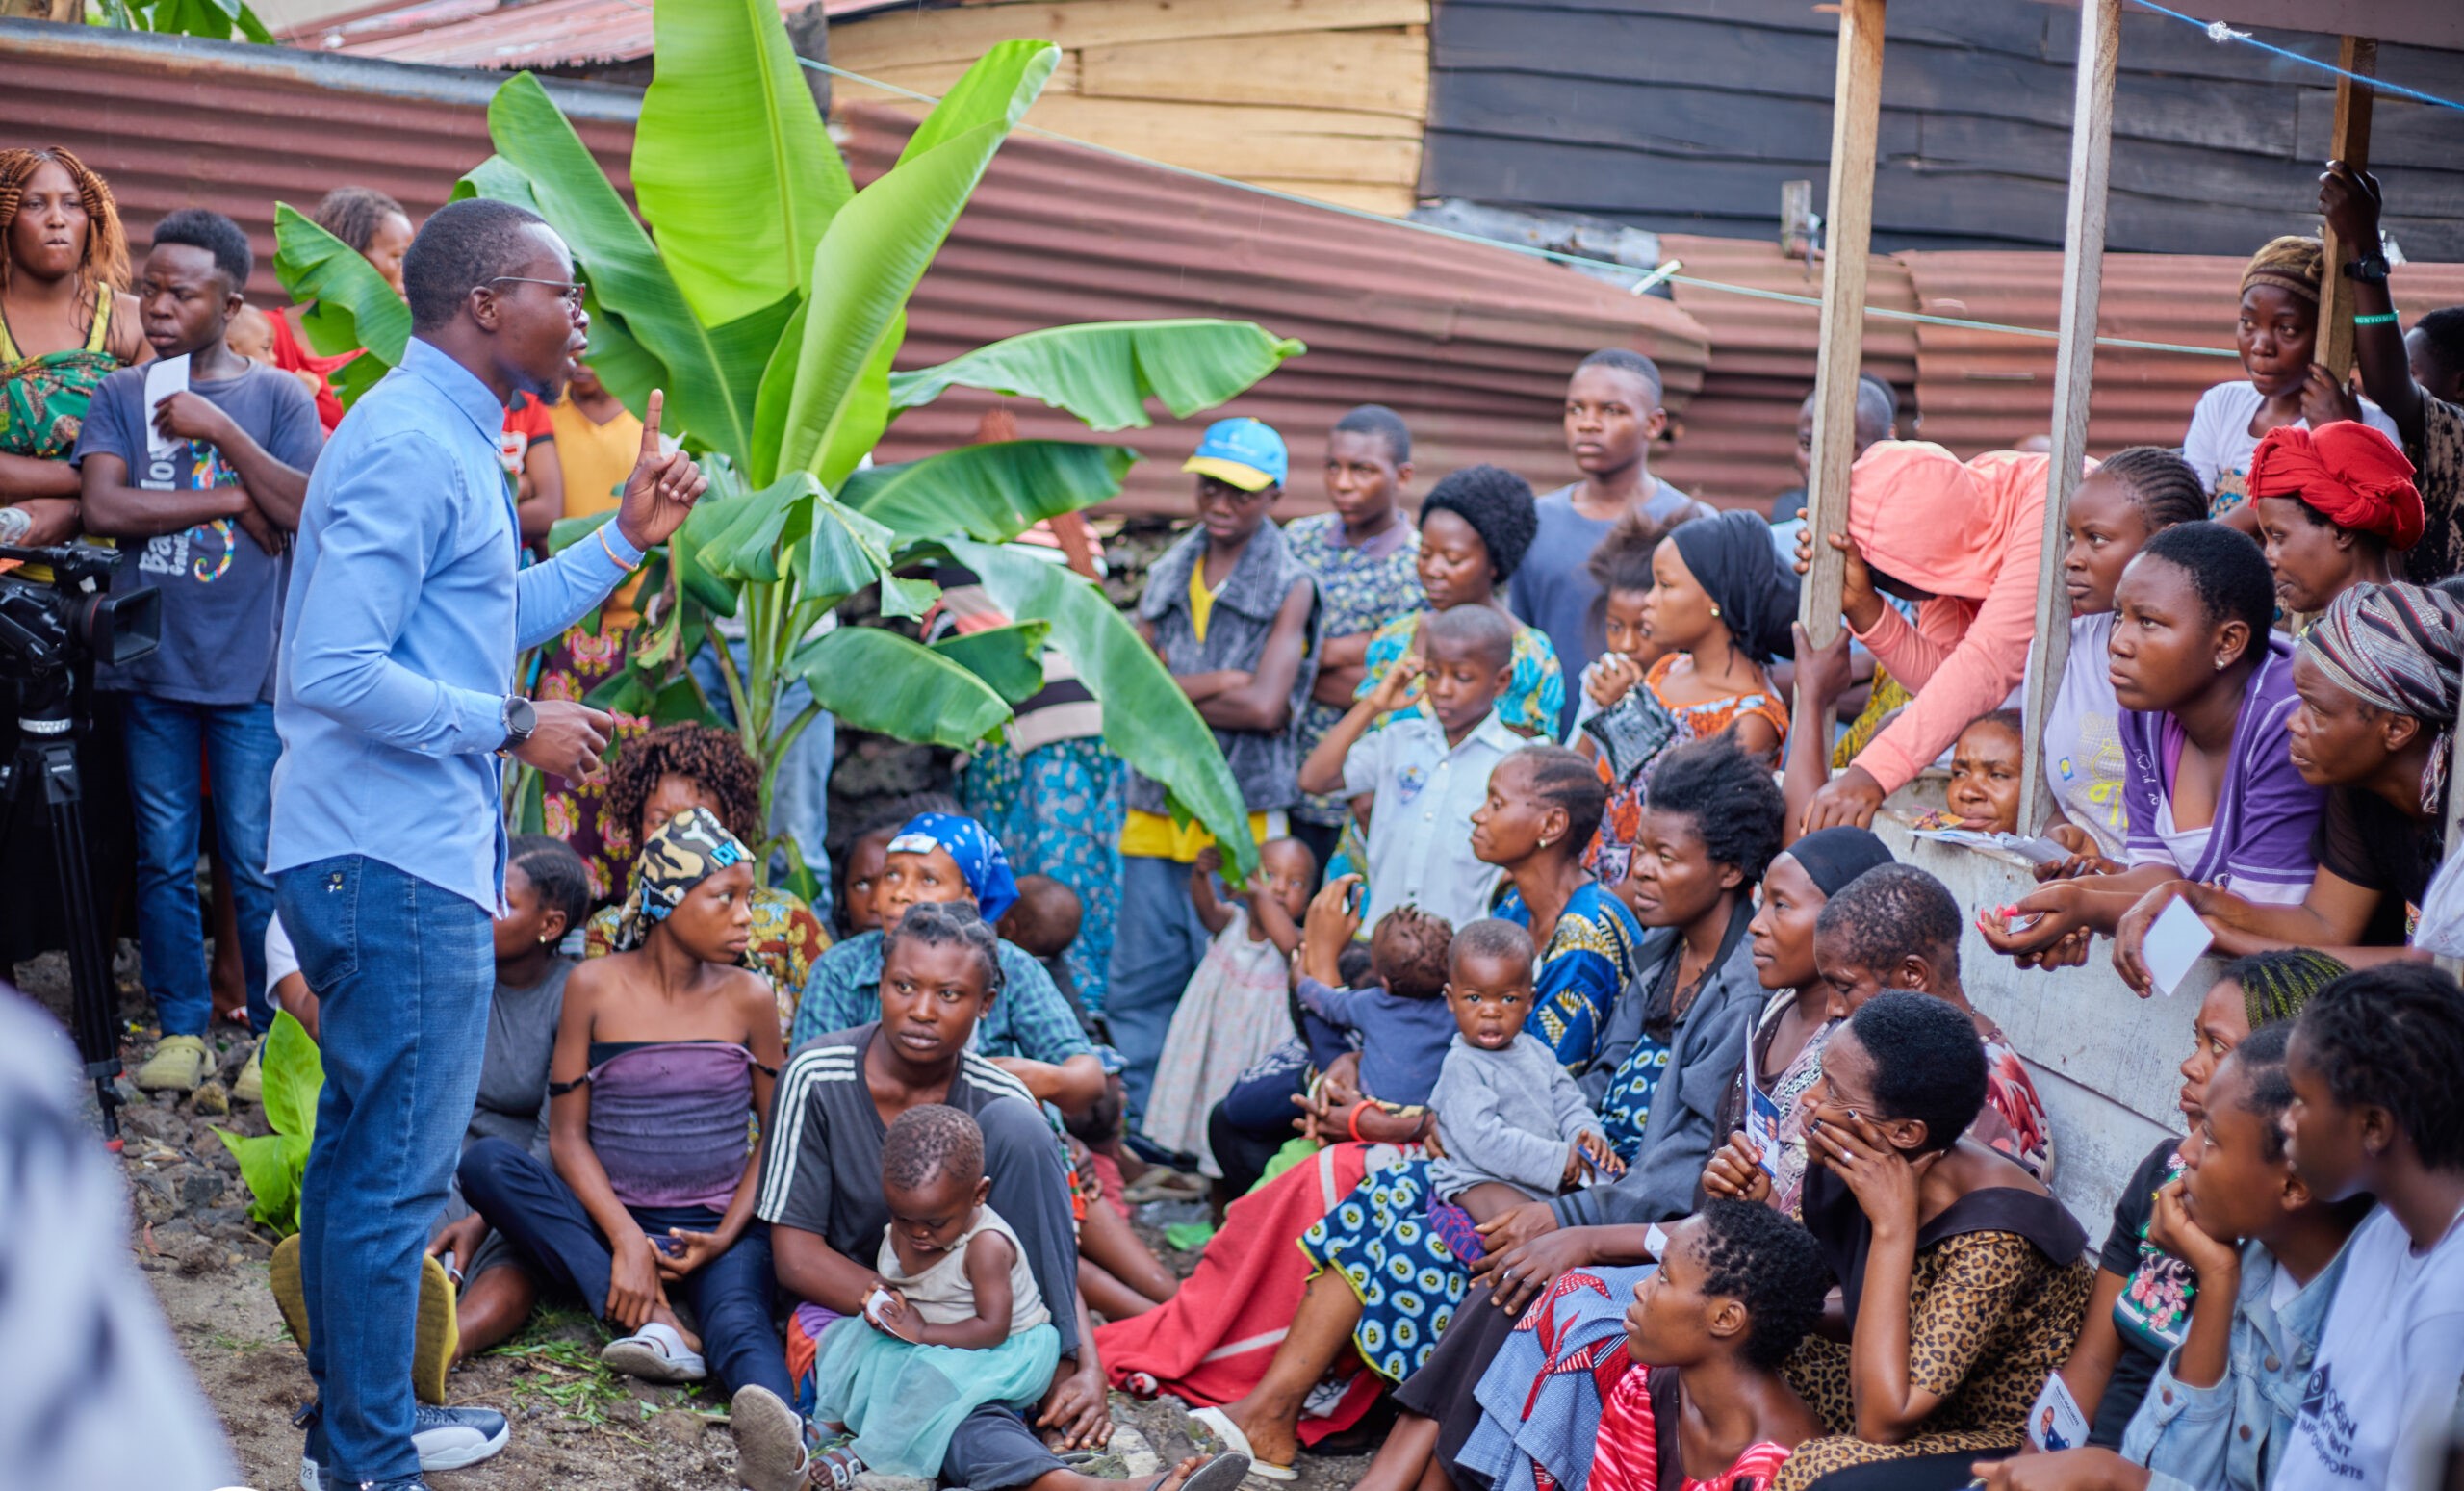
1511,1124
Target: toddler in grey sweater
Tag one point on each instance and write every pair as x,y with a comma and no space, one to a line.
1511,1123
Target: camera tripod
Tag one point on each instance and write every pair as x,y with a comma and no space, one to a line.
45,760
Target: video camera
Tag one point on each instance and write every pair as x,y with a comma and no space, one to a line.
58,611
59,617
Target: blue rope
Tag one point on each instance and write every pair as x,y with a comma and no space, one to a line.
2218,31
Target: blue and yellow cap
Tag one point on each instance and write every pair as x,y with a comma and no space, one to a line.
1243,453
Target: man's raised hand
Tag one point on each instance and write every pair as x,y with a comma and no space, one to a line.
663,489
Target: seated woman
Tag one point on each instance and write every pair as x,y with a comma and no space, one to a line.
821,1185
2377,680
1213,1342
1476,525
2206,693
1031,1031
1961,1274
1719,608
2331,507
675,767
2144,1293
1391,1270
1679,1365
665,1053
1440,1408
2283,384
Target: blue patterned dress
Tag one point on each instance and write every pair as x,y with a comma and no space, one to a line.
1381,1237
1057,811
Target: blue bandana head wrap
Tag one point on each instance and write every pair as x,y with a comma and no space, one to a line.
978,855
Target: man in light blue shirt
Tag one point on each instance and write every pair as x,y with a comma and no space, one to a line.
394,697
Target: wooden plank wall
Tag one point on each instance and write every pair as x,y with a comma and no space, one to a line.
1686,116
1327,98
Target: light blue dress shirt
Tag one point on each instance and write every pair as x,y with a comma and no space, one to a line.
406,607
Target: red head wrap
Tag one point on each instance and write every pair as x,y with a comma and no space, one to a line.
2350,472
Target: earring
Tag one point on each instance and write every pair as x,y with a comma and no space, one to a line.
543,939
1545,842
1715,610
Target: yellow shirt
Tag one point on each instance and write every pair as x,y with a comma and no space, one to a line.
1154,836
597,458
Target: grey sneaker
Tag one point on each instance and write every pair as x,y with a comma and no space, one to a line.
769,1440
446,1439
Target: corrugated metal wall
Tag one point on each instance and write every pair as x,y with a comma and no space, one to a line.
1684,116
173,123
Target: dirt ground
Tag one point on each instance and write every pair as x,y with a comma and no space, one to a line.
577,1426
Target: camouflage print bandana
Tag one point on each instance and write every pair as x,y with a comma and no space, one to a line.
692,847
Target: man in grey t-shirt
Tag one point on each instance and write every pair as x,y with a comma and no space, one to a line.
205,485
1612,415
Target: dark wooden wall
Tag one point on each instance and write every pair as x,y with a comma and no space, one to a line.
1686,116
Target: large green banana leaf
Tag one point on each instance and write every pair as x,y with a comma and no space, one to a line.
1010,658
705,396
1148,722
880,244
349,305
1105,372
731,160
877,679
990,492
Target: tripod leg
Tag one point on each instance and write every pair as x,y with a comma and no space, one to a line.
97,1003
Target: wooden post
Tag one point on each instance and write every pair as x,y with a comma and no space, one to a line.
2349,143
1856,118
2074,360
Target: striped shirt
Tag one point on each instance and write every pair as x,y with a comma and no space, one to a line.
822,1172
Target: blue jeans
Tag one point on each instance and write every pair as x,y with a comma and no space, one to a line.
403,972
800,793
172,749
729,1296
1156,946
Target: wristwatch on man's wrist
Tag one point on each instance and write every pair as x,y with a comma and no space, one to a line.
520,720
2371,268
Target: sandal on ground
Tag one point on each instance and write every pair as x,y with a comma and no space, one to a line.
1219,1426
655,1353
837,1468
1221,1473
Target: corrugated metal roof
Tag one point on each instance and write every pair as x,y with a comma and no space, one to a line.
485,33
1981,389
173,123
1473,346
1737,441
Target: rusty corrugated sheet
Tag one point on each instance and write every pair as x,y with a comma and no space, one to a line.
483,34
1472,345
174,122
1981,389
1738,439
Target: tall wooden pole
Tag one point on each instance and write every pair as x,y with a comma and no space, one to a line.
2082,270
2351,144
1856,119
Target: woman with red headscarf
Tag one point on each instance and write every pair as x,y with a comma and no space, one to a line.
2332,507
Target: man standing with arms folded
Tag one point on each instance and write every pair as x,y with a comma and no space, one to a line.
395,699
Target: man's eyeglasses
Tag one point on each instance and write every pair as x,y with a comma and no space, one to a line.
569,293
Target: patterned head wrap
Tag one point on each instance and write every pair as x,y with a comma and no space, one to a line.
689,849
978,855
2399,648
2350,474
2292,263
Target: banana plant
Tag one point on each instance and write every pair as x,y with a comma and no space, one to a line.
768,297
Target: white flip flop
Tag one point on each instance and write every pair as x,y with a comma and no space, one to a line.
1218,1425
655,1353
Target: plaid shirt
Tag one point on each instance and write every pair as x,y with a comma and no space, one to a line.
1031,1018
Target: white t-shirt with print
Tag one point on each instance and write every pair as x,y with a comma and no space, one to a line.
2384,1383
2220,444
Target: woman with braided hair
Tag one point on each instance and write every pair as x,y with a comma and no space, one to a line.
2142,1305
2378,681
67,323
2277,335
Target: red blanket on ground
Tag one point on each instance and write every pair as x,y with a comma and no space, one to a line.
1211,1341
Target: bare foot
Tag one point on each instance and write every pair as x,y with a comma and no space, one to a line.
1273,1436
